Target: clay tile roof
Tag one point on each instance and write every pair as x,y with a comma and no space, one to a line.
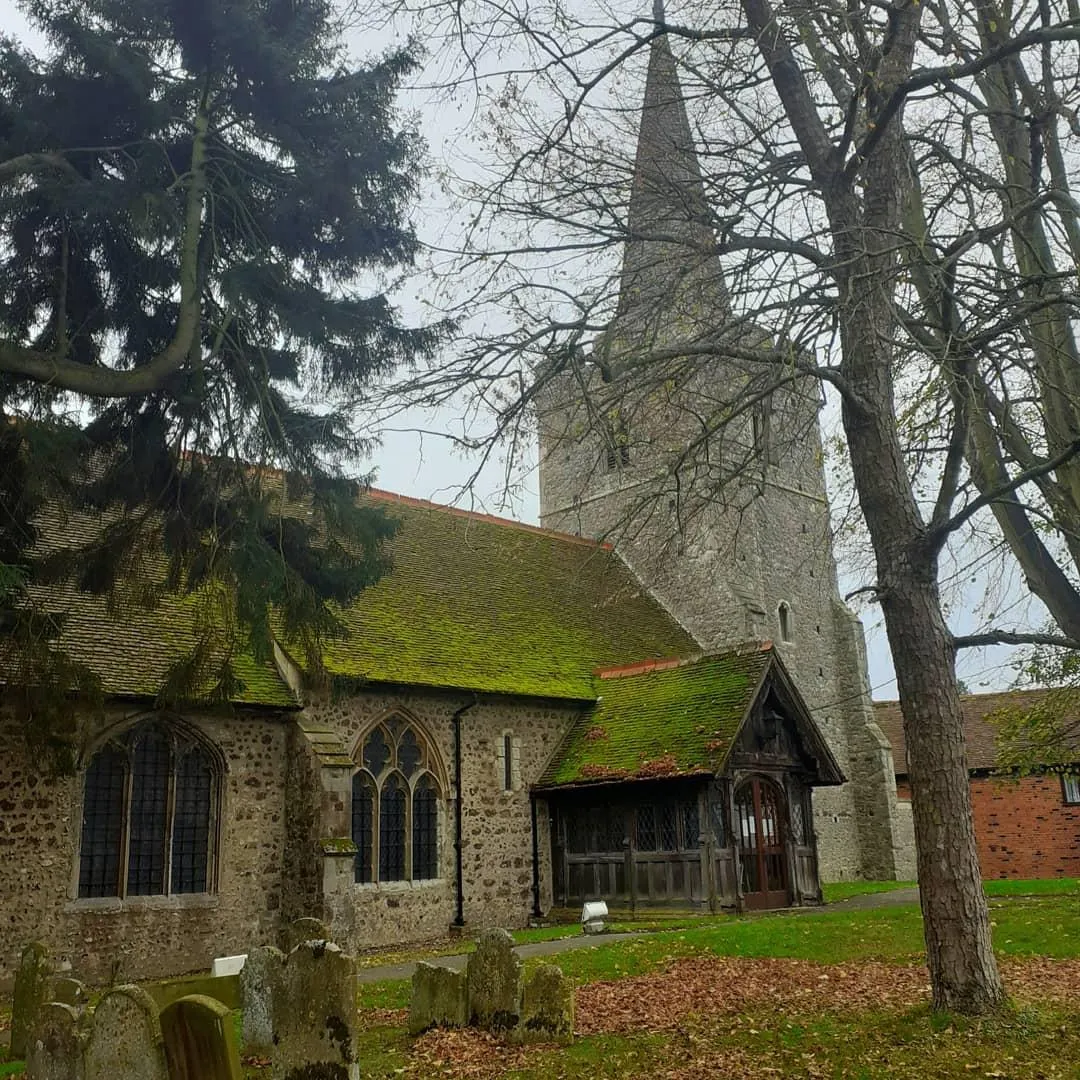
980,732
472,602
672,718
482,603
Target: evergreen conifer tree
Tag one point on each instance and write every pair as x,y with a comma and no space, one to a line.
200,201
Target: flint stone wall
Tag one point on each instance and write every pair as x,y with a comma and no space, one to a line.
148,937
496,824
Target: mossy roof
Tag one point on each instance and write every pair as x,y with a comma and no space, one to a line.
472,602
130,647
485,604
676,718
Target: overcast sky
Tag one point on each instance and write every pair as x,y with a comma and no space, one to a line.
415,460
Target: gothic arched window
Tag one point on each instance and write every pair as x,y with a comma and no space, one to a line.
150,808
783,617
395,810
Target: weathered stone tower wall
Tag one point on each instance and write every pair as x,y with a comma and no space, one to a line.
706,472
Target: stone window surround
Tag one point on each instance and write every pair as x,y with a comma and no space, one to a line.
430,765
515,762
218,815
785,619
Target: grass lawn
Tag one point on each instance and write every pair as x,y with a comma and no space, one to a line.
828,994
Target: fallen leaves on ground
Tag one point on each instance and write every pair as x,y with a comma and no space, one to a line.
665,1002
709,986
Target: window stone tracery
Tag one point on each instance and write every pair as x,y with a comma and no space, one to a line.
396,798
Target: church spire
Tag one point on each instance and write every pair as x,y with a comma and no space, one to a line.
670,236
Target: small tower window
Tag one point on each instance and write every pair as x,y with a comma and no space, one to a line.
617,450
783,615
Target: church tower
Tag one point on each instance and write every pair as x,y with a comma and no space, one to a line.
704,466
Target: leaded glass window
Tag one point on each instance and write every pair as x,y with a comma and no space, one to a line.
395,809
150,799
645,839
104,792
425,830
151,773
363,817
191,821
392,830
669,827
691,826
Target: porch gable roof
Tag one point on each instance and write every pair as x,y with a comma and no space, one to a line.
676,718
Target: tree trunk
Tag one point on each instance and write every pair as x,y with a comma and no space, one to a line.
956,923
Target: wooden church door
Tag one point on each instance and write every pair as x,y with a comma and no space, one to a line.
760,820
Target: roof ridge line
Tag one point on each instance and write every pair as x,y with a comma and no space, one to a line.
667,663
476,515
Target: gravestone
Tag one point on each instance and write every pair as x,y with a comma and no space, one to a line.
314,1015
440,998
547,1006
31,985
261,981
494,982
125,1038
56,1044
200,1041
67,991
301,930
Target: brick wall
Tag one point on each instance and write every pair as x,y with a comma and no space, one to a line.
1023,827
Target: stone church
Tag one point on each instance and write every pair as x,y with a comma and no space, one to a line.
656,697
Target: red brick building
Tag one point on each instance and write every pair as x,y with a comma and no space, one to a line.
1027,827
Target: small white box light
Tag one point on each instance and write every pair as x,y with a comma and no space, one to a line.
593,915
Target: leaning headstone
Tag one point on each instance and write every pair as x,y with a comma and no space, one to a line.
56,1044
314,1015
200,1040
494,982
440,998
67,991
547,1006
301,930
31,986
261,980
125,1038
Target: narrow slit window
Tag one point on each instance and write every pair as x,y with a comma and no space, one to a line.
508,763
783,614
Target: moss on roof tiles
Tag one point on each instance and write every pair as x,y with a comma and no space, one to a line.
481,604
471,603
672,719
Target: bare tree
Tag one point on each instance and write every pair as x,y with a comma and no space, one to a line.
884,208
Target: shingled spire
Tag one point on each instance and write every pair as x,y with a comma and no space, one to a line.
670,269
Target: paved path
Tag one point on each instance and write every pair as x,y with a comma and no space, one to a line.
893,898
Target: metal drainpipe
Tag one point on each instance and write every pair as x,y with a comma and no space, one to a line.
537,913
459,915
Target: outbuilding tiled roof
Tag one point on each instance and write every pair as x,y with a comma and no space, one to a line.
472,602
674,718
980,732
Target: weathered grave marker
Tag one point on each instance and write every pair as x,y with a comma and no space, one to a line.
31,985
301,930
494,982
200,1041
125,1038
56,1044
440,998
314,1015
261,981
66,991
547,1006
